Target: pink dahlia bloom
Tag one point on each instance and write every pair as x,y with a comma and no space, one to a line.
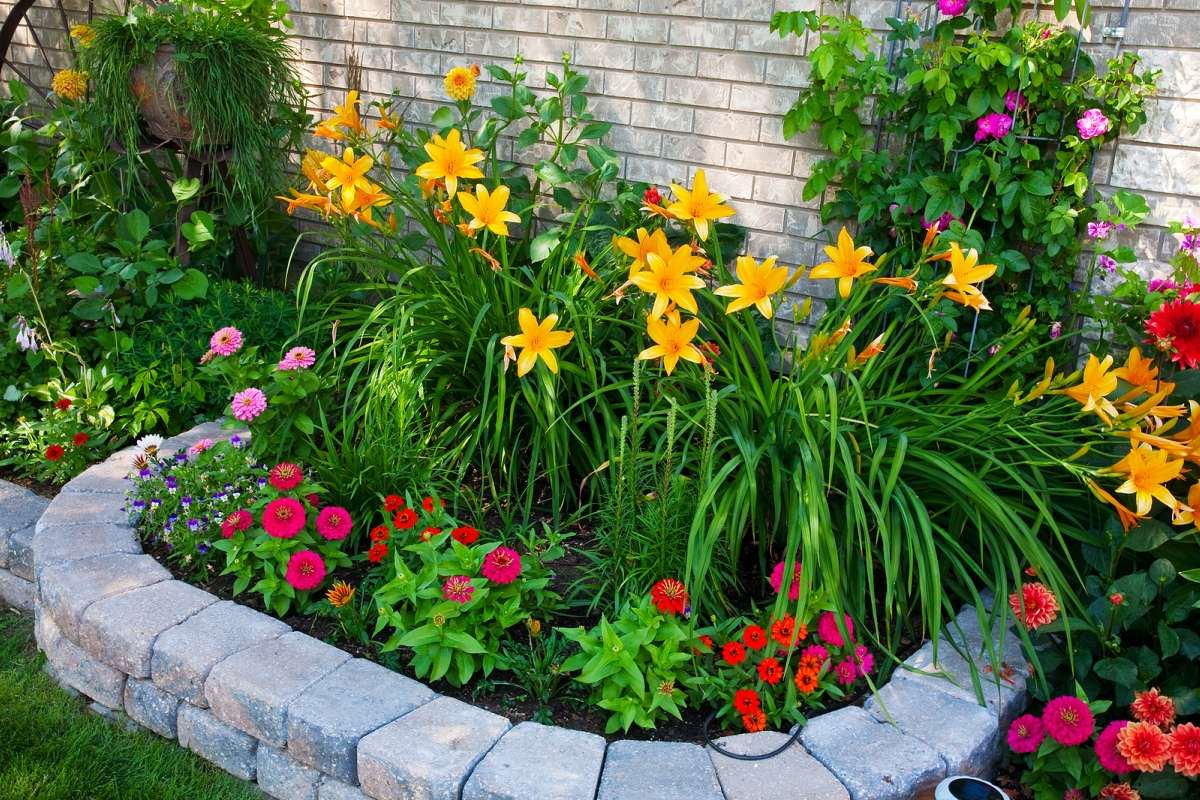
1068,720
1093,123
333,523
248,404
1035,606
305,570
502,565
226,341
827,629
458,588
992,126
777,580
1106,749
952,8
298,358
1025,734
284,518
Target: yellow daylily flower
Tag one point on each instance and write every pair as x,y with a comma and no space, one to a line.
670,280
450,160
386,121
1189,513
1147,470
672,341
645,244
346,115
313,202
366,199
487,209
349,173
326,129
1128,518
1095,387
698,205
846,262
757,284
536,340
311,167
1141,373
964,274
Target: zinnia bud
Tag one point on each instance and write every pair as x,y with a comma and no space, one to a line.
1116,598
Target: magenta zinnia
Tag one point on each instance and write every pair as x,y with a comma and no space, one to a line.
827,629
458,588
285,475
1068,720
502,565
1106,749
248,404
226,341
777,580
284,518
298,358
333,523
305,570
1025,734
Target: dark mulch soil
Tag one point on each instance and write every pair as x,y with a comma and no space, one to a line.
47,490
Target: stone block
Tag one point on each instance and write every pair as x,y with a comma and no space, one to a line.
333,789
16,592
183,656
965,734
80,509
284,778
65,590
20,508
75,668
227,747
328,719
872,760
253,688
635,770
72,543
428,753
151,707
16,547
517,767
108,477
791,775
121,630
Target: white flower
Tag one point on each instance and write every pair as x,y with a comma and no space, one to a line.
150,444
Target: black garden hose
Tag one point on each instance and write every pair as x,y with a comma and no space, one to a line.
740,757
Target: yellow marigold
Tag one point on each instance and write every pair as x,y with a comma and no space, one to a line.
70,84
460,82
84,34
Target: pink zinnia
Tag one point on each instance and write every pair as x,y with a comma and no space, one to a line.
333,523
248,404
305,570
502,565
815,651
298,358
846,671
226,341
952,8
200,446
864,659
1093,123
827,629
1025,734
1106,749
458,588
1068,720
777,580
284,518
285,475
236,522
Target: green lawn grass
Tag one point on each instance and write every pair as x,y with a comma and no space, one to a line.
51,748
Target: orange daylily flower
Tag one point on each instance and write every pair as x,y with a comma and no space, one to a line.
313,202
450,160
1093,391
1127,518
672,341
757,284
698,205
1141,373
349,173
963,277
346,115
870,351
906,282
537,340
1147,470
846,262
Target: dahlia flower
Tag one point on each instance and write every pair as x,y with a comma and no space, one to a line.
1175,328
1106,749
1039,605
1154,707
1185,750
1144,746
1119,791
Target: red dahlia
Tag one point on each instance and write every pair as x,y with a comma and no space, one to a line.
670,596
1175,329
54,452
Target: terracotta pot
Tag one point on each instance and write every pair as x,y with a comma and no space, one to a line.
158,87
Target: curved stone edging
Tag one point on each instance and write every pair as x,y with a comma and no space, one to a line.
309,722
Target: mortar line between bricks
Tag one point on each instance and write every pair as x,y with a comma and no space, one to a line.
83,611
600,774
150,670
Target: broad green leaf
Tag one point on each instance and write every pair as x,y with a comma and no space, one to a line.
192,286
86,263
185,189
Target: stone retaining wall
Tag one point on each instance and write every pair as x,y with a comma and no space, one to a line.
309,722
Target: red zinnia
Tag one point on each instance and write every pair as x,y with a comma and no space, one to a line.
1175,329
1185,750
1153,707
405,519
237,521
465,534
429,502
429,533
784,632
746,700
54,452
377,552
755,721
669,596
754,637
806,679
1144,746
284,518
1040,605
285,476
393,502
80,439
707,641
380,534
63,403
770,671
733,653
